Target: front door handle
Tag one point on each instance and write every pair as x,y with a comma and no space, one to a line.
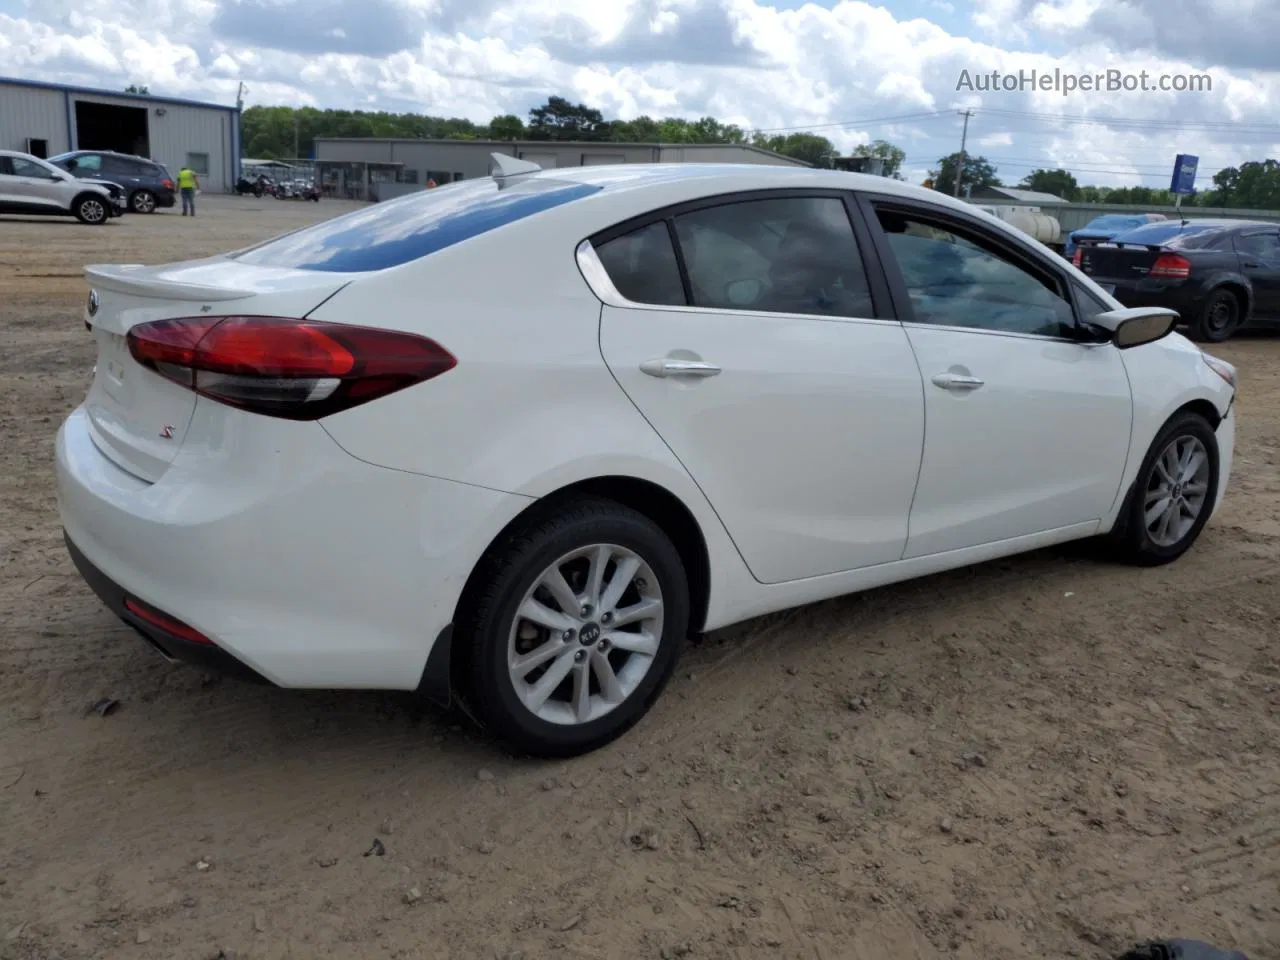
663,367
957,381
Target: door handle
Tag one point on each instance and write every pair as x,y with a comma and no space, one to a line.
956,381
1252,263
662,368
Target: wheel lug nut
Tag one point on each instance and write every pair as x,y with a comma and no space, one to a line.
586,610
567,636
580,656
607,618
604,645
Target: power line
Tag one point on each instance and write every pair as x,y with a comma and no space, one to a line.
855,123
1137,122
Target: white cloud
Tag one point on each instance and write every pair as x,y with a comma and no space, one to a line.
742,61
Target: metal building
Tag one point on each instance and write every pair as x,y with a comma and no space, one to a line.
47,119
351,165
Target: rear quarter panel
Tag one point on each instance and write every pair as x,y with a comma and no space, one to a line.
531,406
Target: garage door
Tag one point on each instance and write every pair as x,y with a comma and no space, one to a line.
545,160
590,159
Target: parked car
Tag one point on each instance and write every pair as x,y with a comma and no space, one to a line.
33,186
696,394
146,182
1220,275
1103,228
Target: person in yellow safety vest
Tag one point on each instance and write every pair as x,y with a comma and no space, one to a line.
188,183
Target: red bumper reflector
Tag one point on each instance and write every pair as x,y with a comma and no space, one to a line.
162,621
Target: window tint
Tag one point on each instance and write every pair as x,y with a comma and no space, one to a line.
642,265
121,165
29,168
397,231
790,255
952,281
1263,245
6,167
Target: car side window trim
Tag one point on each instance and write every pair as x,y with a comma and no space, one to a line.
871,203
597,277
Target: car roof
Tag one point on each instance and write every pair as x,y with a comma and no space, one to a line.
730,177
107,153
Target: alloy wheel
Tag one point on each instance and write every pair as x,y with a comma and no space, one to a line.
1177,490
144,202
585,635
93,211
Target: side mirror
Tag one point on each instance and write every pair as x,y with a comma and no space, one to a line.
1135,326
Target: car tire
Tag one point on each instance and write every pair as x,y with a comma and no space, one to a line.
91,209
608,677
1139,537
142,201
1219,319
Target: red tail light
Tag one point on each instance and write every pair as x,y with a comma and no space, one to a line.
167,184
296,369
174,628
1170,266
1077,257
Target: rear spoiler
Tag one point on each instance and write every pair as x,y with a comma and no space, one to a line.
142,281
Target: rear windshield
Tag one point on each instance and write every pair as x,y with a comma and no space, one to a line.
397,231
1172,233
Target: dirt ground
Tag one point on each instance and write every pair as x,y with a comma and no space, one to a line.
1044,757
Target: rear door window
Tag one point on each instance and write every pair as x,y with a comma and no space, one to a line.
1264,246
120,166
784,255
397,231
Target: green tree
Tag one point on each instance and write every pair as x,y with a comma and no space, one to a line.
1059,182
558,119
809,147
977,172
892,156
506,127
136,88
1254,185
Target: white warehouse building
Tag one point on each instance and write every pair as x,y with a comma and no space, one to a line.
47,119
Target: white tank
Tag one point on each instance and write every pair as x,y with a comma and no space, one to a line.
1043,227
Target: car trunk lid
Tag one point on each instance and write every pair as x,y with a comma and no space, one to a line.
1113,261
139,419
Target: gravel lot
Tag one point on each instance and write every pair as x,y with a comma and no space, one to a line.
1044,757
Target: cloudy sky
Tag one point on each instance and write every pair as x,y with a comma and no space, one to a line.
846,68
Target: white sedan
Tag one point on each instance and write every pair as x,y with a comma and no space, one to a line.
513,439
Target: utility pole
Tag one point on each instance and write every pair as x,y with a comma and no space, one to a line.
964,137
295,135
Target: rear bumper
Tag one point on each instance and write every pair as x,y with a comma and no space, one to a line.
306,566
171,647
166,198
